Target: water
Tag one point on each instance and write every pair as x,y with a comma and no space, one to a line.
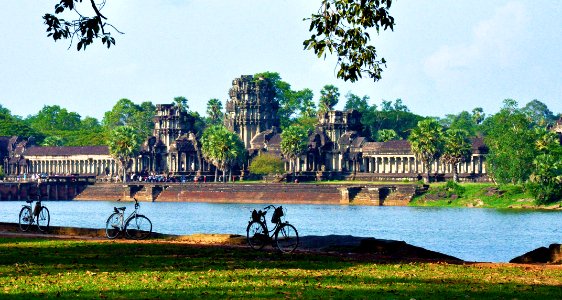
467,233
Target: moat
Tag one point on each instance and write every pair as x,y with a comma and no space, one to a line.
467,233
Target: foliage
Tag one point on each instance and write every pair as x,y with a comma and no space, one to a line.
126,113
2,174
85,29
395,116
181,103
538,113
329,97
14,125
222,148
214,111
292,104
545,182
124,144
463,121
385,135
355,102
427,143
174,270
478,115
51,118
294,140
457,149
266,164
53,141
342,27
510,137
476,194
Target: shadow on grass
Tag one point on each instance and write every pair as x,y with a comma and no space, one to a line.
83,269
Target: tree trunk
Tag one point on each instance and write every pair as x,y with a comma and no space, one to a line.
427,173
455,173
224,175
216,173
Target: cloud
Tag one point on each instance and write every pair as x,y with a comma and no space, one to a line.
494,44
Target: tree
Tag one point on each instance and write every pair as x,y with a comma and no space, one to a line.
214,111
294,140
538,113
545,182
54,118
284,95
181,103
329,97
126,113
385,135
427,143
2,174
266,164
85,28
457,149
124,144
510,138
14,125
53,141
222,148
342,27
478,115
355,102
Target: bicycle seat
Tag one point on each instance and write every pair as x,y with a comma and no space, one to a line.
29,201
117,209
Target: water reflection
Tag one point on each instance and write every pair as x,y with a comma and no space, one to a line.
467,233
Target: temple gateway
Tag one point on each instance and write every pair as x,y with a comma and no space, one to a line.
336,147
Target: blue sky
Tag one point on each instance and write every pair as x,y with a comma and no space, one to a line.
443,56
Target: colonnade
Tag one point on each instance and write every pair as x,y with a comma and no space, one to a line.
72,166
391,164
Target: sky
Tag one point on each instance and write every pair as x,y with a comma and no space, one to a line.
443,56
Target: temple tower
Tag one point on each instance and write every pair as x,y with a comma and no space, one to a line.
169,123
252,107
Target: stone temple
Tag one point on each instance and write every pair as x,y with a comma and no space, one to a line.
336,147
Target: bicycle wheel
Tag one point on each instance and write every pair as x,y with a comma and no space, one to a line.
287,238
138,227
43,219
256,235
25,218
113,225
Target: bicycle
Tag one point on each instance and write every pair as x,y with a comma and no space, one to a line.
136,226
39,215
283,235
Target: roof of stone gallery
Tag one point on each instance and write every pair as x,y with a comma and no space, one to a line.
390,147
66,151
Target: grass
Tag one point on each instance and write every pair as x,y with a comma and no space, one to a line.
40,268
479,195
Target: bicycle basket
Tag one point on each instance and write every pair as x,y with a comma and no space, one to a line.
255,216
277,214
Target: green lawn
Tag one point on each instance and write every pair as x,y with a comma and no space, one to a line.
37,268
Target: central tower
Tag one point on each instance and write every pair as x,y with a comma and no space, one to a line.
252,107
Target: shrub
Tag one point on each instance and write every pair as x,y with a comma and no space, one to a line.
266,164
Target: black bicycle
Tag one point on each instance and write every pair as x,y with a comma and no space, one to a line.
39,215
136,226
283,235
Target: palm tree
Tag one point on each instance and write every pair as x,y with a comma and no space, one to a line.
214,110
222,147
329,97
457,149
124,144
181,103
293,143
427,143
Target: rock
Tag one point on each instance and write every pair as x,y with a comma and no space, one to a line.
454,197
552,254
478,203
